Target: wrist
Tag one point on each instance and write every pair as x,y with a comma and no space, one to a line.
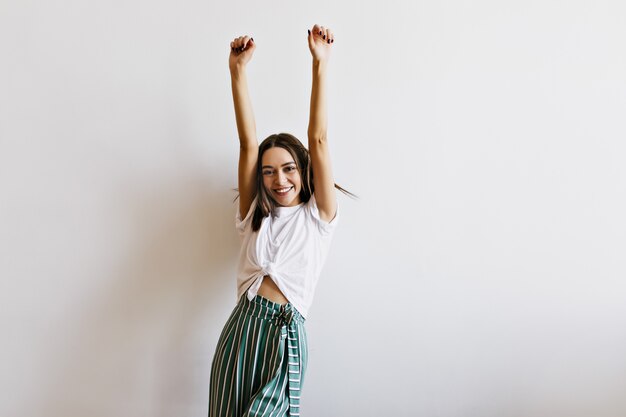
319,66
237,69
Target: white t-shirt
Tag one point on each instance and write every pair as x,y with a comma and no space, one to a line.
291,248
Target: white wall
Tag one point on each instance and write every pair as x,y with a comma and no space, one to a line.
480,274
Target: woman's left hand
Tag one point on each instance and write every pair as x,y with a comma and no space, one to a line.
320,41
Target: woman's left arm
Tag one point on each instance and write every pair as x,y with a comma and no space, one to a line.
320,42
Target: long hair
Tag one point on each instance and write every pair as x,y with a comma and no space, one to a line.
265,203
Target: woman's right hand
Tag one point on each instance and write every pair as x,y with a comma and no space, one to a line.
241,50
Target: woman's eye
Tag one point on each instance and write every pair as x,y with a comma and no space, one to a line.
289,169
267,172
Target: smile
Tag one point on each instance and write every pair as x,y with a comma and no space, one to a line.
283,191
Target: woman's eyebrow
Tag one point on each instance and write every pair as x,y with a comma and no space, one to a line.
286,163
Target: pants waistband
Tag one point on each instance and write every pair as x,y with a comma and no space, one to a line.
266,309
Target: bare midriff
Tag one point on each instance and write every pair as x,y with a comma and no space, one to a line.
270,291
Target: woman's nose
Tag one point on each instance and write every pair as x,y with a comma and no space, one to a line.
281,177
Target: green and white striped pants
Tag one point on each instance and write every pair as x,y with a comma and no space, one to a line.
260,361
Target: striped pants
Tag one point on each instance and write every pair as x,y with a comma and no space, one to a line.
260,361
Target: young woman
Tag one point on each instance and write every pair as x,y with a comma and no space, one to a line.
286,218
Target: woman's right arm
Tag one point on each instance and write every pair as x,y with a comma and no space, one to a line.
241,50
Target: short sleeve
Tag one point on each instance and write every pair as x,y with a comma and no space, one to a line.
325,227
241,225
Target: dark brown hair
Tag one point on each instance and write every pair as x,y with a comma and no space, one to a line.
265,203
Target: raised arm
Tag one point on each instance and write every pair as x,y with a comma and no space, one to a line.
320,41
241,50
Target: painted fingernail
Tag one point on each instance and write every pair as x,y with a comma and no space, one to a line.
332,41
252,39
320,32
309,32
324,36
329,41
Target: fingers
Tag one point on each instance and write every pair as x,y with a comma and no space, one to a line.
244,43
330,37
241,44
324,33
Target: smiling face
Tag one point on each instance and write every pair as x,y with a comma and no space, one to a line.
281,177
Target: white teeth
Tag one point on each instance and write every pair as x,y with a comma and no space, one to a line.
283,190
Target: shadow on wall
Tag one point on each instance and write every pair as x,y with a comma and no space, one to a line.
143,340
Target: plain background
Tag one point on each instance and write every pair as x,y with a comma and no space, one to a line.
481,272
